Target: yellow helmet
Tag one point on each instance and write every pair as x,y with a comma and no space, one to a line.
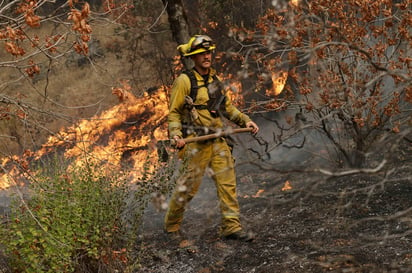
197,44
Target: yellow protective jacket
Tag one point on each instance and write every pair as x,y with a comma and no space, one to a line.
179,114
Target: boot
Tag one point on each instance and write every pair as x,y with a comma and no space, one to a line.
240,236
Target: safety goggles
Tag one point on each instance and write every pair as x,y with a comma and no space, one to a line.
201,41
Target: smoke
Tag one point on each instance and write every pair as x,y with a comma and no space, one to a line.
284,146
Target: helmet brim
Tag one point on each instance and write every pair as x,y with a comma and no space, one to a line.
200,50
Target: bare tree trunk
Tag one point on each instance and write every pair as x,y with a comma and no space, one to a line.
178,24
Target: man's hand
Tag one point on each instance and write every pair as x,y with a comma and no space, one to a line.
179,142
255,128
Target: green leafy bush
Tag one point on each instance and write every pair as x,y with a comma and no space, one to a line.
80,219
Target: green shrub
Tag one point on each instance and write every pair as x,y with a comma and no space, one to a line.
80,219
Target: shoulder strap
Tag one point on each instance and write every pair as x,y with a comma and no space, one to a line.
193,83
216,103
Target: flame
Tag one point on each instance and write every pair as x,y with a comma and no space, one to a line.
6,178
258,194
124,135
233,89
287,186
235,95
295,2
278,83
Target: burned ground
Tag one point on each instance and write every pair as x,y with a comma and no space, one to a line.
303,221
352,223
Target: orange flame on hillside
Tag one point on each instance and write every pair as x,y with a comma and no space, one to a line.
125,135
287,186
278,83
259,193
295,2
233,90
122,136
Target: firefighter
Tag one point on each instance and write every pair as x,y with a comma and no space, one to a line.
203,114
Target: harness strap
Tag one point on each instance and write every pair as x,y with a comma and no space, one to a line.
193,83
200,107
215,103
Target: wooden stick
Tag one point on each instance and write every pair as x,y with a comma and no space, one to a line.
222,133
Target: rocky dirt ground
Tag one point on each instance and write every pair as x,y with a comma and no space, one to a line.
351,223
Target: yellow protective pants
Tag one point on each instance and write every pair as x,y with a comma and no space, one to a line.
215,154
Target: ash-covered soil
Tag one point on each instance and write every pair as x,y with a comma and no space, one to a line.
360,222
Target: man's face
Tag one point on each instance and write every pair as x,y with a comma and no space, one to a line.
203,60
